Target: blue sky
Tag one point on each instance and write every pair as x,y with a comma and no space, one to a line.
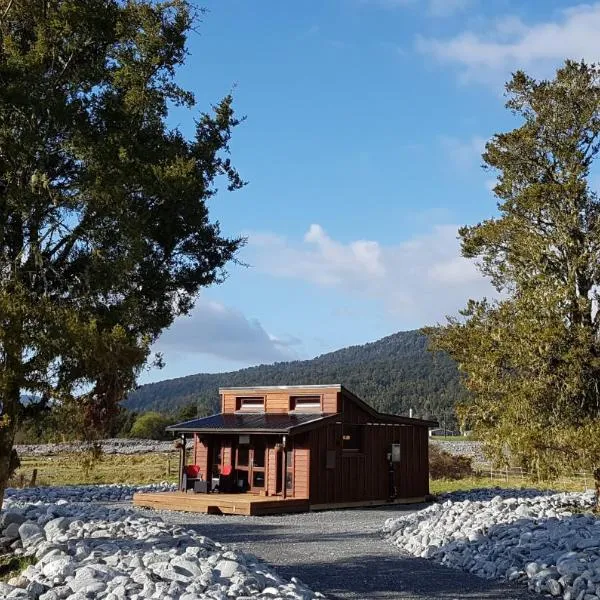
365,124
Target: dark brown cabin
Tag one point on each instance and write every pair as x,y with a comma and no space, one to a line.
318,443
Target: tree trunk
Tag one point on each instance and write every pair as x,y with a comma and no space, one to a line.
597,486
8,425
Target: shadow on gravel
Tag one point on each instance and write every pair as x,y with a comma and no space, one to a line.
270,533
400,577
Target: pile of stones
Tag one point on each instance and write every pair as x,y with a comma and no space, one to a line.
115,492
109,446
80,549
474,450
549,541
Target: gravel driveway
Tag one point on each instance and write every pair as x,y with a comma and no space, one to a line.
341,554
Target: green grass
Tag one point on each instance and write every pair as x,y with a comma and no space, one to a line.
11,566
451,438
69,469
563,484
66,469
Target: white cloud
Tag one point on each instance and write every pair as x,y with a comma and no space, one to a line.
464,153
224,332
509,44
422,279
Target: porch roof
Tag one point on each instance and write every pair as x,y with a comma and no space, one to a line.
273,423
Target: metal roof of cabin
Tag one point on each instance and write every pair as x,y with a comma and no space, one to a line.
258,422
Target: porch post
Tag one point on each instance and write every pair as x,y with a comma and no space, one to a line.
284,469
181,462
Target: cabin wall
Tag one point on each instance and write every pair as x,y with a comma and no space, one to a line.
339,476
201,456
278,401
301,472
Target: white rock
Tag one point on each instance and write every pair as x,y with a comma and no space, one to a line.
531,536
85,549
31,534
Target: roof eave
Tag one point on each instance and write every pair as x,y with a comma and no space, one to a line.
234,431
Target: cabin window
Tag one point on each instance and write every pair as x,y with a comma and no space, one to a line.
250,404
289,470
243,456
352,438
305,403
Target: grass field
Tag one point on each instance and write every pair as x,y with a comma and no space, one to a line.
69,469
563,484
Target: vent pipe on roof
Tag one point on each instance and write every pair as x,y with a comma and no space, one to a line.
410,412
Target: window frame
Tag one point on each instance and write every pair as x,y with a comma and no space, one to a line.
255,404
316,406
355,430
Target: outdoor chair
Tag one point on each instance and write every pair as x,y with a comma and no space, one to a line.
226,480
191,474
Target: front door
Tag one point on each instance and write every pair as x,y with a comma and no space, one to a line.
250,465
257,476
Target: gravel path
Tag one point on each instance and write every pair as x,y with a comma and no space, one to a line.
341,554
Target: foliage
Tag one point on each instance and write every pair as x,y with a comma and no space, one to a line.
151,426
191,411
531,359
11,565
393,374
105,235
443,465
90,457
57,426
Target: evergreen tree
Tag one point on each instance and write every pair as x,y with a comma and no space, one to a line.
531,359
105,235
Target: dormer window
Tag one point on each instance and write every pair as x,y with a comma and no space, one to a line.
250,404
305,403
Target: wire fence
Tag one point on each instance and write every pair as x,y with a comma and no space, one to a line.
517,475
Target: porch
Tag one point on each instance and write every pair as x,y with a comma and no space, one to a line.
220,504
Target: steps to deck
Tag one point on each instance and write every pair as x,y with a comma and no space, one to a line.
219,504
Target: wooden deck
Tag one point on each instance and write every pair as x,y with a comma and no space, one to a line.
219,504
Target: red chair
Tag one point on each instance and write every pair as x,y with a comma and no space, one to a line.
191,474
226,482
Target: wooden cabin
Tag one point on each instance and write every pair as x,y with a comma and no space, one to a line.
298,448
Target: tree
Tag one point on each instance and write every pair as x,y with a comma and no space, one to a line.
531,360
193,410
150,426
105,235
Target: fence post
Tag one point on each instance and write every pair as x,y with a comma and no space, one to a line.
33,478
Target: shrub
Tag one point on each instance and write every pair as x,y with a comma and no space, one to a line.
151,425
443,465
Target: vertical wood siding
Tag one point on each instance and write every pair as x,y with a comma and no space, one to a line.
359,476
301,472
201,456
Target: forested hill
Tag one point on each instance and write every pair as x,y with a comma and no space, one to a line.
393,374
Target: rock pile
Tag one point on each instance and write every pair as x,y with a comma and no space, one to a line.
116,492
109,446
85,550
472,449
544,540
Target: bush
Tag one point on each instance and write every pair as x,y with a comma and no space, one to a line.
151,426
443,465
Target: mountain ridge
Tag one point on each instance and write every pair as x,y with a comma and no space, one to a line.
394,374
